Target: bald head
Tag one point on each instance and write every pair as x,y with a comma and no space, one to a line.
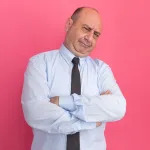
76,13
83,30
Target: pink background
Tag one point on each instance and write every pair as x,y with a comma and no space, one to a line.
31,26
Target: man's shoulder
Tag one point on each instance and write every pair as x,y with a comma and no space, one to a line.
101,66
98,62
44,56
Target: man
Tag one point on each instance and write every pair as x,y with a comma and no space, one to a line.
68,97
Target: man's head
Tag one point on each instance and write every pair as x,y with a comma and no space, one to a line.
83,29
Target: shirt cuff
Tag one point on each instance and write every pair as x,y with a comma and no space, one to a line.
67,103
79,107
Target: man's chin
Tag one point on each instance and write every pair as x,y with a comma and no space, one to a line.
82,54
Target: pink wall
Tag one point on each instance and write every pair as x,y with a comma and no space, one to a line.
29,27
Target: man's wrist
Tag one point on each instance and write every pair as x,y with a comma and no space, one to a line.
55,100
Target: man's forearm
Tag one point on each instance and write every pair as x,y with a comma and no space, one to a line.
50,118
55,100
104,108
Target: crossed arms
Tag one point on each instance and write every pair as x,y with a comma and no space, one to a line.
52,115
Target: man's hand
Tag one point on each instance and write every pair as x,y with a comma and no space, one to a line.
106,93
55,100
98,124
103,93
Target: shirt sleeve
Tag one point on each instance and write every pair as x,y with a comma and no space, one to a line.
101,108
67,102
38,111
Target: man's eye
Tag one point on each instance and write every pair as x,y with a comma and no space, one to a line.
85,29
96,35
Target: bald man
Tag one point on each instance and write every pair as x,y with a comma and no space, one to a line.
67,96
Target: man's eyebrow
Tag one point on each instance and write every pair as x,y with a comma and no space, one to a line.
91,29
97,32
87,26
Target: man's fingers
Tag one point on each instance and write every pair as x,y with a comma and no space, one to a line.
103,93
98,124
106,93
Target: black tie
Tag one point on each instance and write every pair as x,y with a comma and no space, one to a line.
73,140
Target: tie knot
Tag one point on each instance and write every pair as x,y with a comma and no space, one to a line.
75,61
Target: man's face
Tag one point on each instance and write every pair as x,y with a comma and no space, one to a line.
83,34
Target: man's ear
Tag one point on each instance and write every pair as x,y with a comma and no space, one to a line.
68,24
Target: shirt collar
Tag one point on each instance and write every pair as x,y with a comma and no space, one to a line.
68,55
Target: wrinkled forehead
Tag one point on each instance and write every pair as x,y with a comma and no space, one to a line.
90,18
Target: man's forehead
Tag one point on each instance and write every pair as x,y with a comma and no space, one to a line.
93,26
90,18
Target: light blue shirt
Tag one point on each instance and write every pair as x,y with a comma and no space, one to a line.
48,74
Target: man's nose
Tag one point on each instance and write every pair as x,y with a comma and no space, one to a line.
89,36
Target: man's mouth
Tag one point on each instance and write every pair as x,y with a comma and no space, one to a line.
84,45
